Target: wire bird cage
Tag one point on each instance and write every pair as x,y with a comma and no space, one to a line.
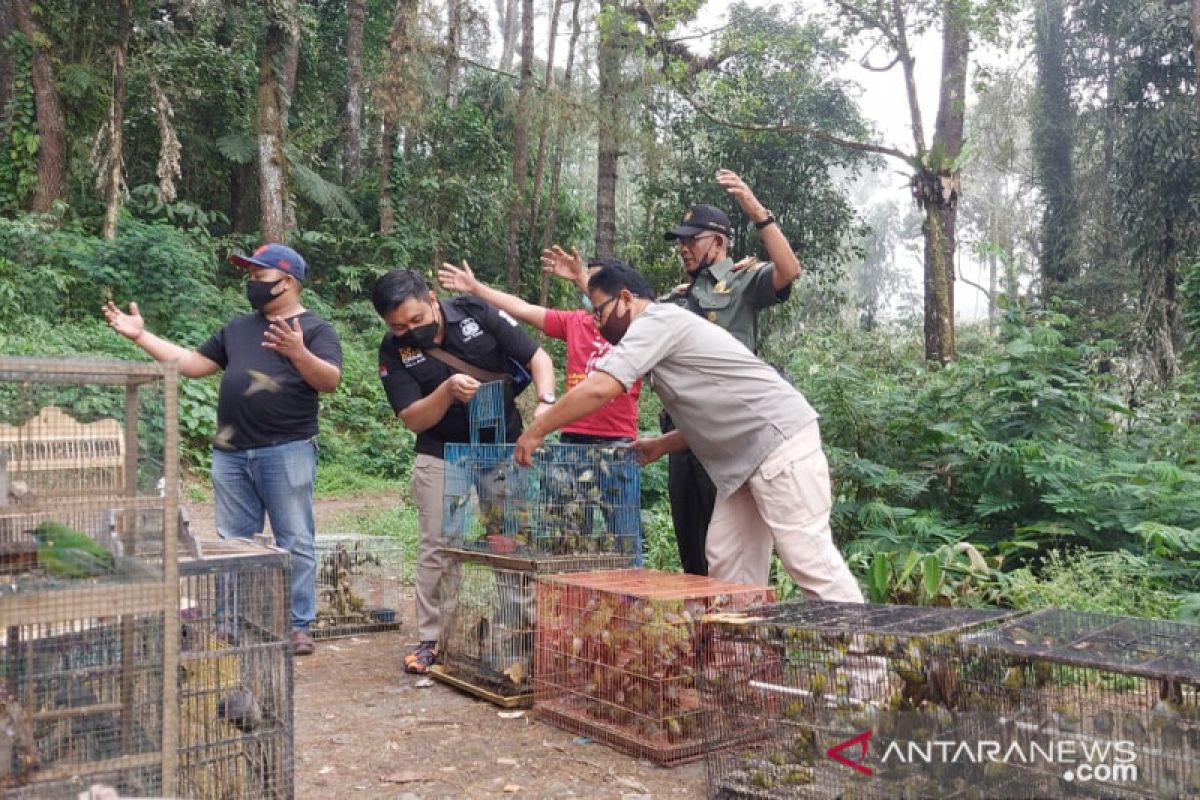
1121,687
235,674
490,613
88,587
808,676
615,657
575,499
359,582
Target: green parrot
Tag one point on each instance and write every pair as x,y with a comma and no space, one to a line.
69,553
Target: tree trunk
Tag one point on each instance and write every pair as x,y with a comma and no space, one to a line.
1196,44
113,182
393,86
557,158
608,142
352,147
539,168
454,25
520,162
7,73
242,180
509,23
272,129
52,129
941,218
1053,140
387,213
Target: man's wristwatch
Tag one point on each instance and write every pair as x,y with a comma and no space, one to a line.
770,220
547,398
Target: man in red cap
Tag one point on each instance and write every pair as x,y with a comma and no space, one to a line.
276,360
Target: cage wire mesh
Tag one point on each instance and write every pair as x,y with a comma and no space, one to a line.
235,675
615,657
575,499
88,504
811,675
359,583
1119,686
489,616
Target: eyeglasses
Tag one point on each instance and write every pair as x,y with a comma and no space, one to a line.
692,241
597,309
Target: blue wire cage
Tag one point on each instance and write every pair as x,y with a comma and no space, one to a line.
575,499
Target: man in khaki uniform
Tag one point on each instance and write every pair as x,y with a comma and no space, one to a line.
765,458
732,297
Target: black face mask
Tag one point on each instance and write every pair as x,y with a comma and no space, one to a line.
421,337
615,326
260,293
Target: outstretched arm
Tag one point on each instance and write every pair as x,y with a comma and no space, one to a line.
787,266
464,280
131,325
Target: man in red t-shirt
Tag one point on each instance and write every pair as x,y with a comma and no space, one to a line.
617,421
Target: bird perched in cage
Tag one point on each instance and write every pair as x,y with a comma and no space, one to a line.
95,733
18,749
67,552
241,709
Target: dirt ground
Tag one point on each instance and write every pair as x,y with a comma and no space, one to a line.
366,729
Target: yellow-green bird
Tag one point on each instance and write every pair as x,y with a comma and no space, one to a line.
64,551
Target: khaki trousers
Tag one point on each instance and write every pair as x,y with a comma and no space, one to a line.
785,503
437,573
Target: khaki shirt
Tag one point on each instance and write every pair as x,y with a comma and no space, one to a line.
733,300
732,408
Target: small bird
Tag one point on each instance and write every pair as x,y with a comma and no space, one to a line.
261,382
18,749
67,552
241,709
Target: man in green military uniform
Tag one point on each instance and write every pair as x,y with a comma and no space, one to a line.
732,297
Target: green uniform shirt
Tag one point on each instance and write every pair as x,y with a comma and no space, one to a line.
733,300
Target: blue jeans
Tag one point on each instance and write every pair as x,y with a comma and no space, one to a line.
275,482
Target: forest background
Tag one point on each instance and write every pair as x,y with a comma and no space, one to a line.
1045,453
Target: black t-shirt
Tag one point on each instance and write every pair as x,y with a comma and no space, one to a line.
263,400
479,334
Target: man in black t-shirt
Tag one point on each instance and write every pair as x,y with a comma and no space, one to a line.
275,360
430,396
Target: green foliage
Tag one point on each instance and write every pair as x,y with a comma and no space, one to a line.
1114,583
947,481
18,130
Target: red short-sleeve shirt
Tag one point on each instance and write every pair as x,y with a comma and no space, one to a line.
585,348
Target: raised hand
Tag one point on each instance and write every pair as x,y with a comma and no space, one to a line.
130,325
731,182
285,337
457,279
558,262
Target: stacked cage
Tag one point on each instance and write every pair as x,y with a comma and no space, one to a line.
811,677
235,674
615,658
360,579
1119,694
489,615
88,587
577,509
